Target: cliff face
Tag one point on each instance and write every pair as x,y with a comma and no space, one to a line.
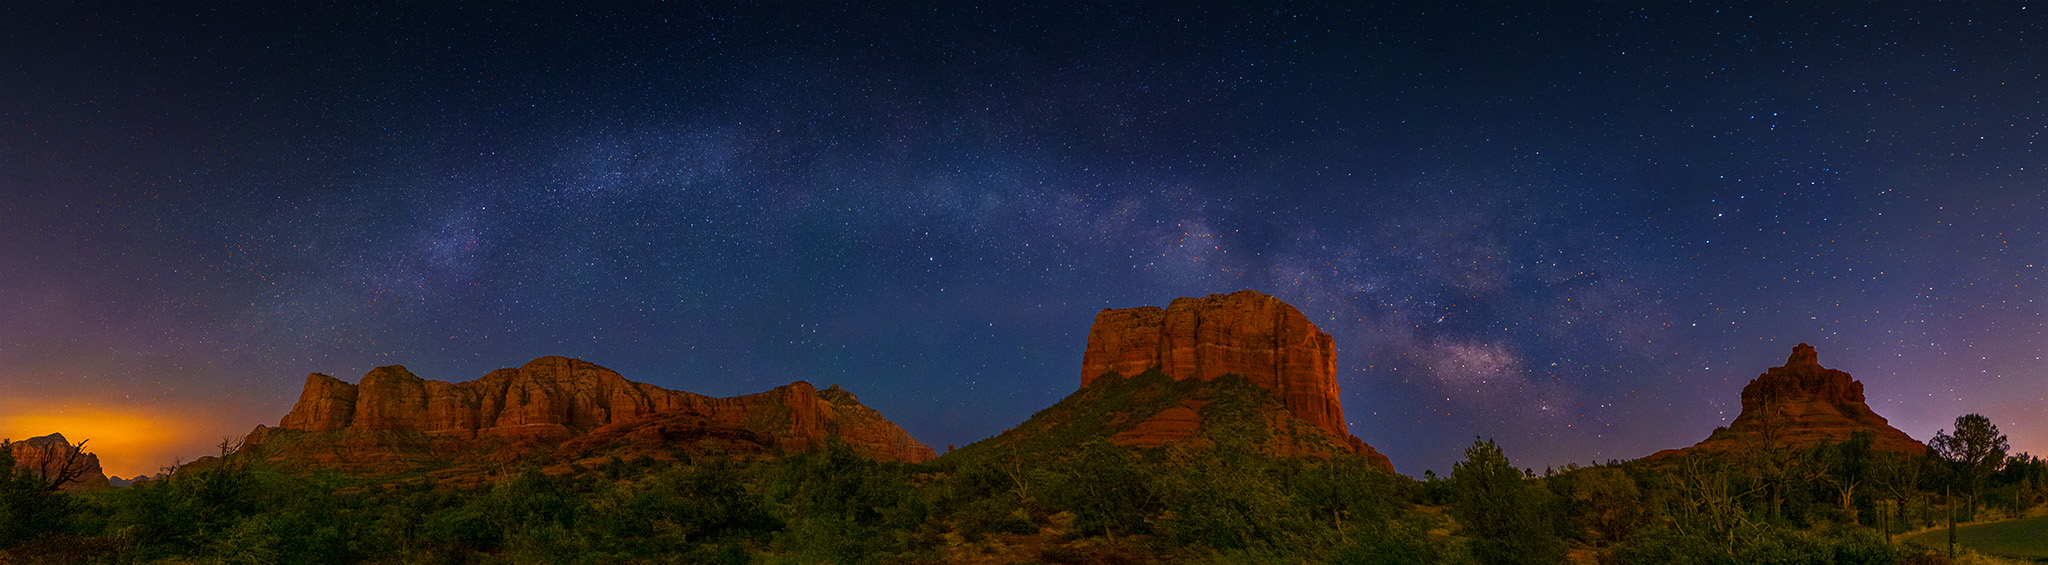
553,400
1800,405
843,415
45,456
325,404
548,397
1246,333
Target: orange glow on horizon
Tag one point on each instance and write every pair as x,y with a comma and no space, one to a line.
129,440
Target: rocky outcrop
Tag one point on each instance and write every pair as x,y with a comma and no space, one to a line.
844,416
1246,333
396,420
550,396
1800,405
1172,425
52,455
325,404
736,425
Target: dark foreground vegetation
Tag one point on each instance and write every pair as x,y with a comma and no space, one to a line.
1096,503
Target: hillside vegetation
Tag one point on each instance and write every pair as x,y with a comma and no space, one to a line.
1033,500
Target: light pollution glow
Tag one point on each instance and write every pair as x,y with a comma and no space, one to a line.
130,440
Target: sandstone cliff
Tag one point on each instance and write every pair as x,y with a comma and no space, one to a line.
46,456
1801,405
394,420
1260,338
1245,333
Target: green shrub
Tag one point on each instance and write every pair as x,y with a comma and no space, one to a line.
1510,518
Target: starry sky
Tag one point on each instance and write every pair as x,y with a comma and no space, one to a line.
1577,228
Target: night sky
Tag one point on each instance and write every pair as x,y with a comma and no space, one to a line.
1577,229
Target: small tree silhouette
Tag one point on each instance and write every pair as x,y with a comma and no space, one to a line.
58,461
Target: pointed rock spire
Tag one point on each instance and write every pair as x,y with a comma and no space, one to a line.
1802,405
1803,355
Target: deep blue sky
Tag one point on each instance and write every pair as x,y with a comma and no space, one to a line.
1579,229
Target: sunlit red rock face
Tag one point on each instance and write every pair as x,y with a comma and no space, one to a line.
394,419
45,456
1245,333
1800,405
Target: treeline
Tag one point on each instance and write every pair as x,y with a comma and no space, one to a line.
1836,503
1093,503
1104,504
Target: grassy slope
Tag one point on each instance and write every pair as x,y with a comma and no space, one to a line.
2023,538
1233,411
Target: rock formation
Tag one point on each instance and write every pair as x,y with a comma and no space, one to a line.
1801,405
48,456
1246,333
395,420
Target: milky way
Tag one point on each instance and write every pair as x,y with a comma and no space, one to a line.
1579,230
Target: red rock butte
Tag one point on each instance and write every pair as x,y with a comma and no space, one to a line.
47,456
1803,405
1245,333
556,399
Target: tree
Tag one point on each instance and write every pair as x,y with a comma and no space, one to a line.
27,507
1606,504
1896,478
2025,476
1848,467
57,460
1346,491
1976,451
1707,506
1109,490
1509,516
1777,464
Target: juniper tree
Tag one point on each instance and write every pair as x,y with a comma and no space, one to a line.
1509,515
1976,451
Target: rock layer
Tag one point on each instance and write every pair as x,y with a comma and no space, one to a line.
553,400
1801,405
1245,333
47,456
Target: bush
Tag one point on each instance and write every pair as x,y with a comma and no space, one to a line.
839,506
1764,543
27,511
1402,542
1667,546
1109,490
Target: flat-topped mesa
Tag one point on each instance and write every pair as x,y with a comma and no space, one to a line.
1801,405
1245,333
558,398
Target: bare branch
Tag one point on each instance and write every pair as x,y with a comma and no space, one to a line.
58,467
